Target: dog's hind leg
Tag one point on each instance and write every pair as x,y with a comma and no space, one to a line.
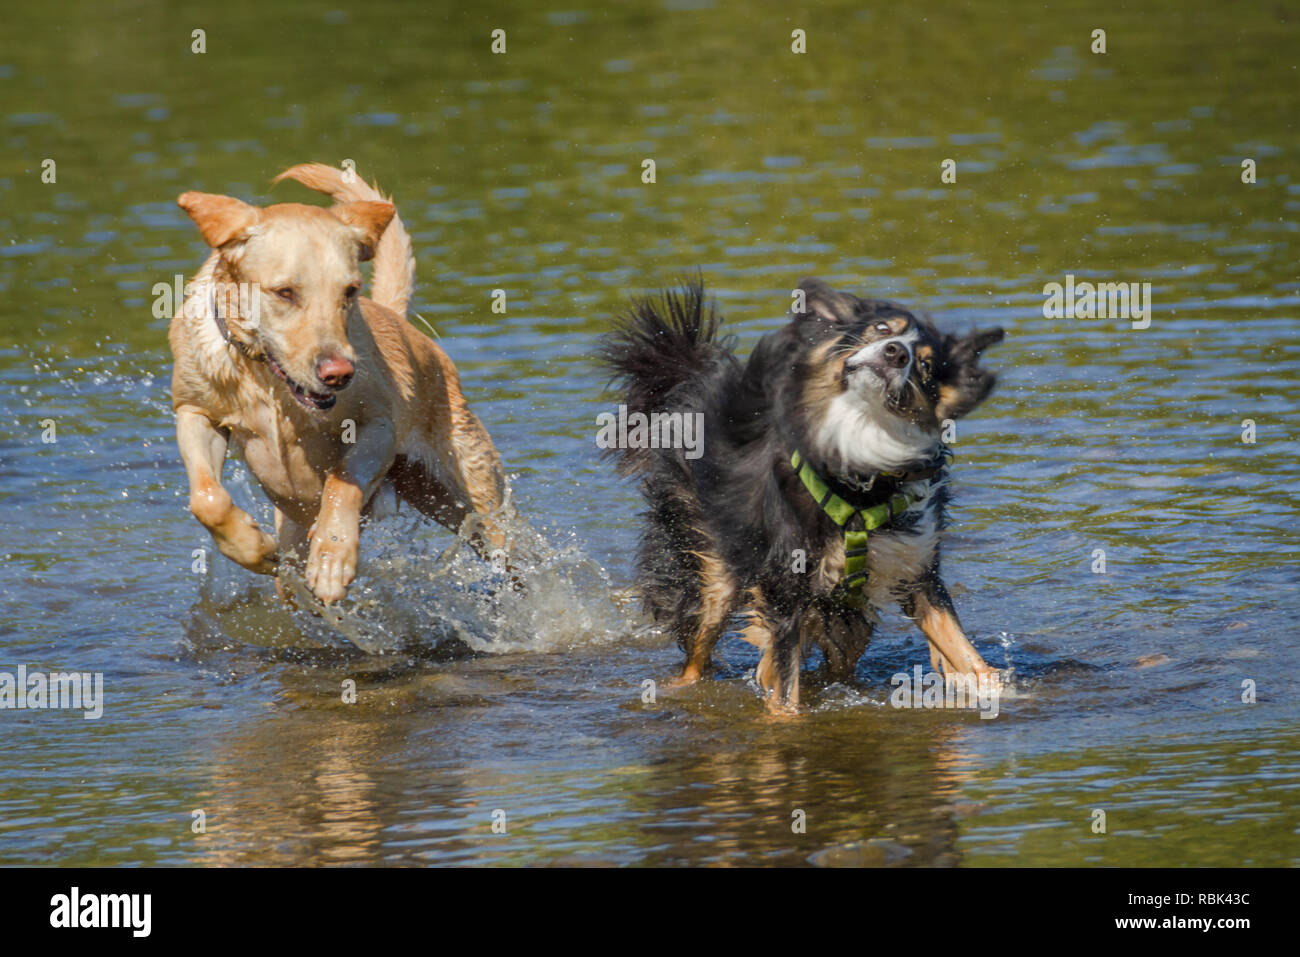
783,663
456,472
448,496
698,633
294,544
777,672
481,477
842,634
235,532
293,538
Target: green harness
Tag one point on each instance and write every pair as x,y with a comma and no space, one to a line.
842,514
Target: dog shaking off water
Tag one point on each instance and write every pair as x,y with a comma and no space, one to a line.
331,396
820,493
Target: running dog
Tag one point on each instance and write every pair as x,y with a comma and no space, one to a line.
331,397
820,490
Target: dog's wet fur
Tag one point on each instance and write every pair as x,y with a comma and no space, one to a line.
860,388
335,399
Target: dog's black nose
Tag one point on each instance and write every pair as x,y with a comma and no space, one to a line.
895,355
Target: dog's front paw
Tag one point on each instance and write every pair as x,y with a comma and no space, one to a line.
242,540
331,564
267,555
781,709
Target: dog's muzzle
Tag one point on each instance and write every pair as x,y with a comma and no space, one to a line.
891,359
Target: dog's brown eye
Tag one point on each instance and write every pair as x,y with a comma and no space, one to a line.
285,293
924,365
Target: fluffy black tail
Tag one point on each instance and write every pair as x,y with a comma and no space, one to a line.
660,343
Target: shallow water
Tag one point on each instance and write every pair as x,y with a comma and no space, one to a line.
522,172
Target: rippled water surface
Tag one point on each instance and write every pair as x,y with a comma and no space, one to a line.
523,172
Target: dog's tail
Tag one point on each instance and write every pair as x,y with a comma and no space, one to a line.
660,343
394,276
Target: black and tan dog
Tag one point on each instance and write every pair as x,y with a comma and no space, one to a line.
819,492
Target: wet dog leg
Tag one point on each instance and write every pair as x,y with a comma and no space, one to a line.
933,612
843,639
293,550
786,660
716,597
235,532
471,479
336,534
292,537
482,478
777,672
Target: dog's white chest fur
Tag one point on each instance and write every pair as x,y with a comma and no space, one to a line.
860,437
895,557
900,557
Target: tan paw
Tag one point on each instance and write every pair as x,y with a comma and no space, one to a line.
781,709
689,674
242,540
331,565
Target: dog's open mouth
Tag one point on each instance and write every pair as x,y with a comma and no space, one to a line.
308,399
892,395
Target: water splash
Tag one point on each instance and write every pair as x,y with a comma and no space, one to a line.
415,596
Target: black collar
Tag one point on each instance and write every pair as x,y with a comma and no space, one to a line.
225,331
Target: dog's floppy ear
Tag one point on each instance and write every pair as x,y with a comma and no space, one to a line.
369,218
821,300
964,384
221,219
